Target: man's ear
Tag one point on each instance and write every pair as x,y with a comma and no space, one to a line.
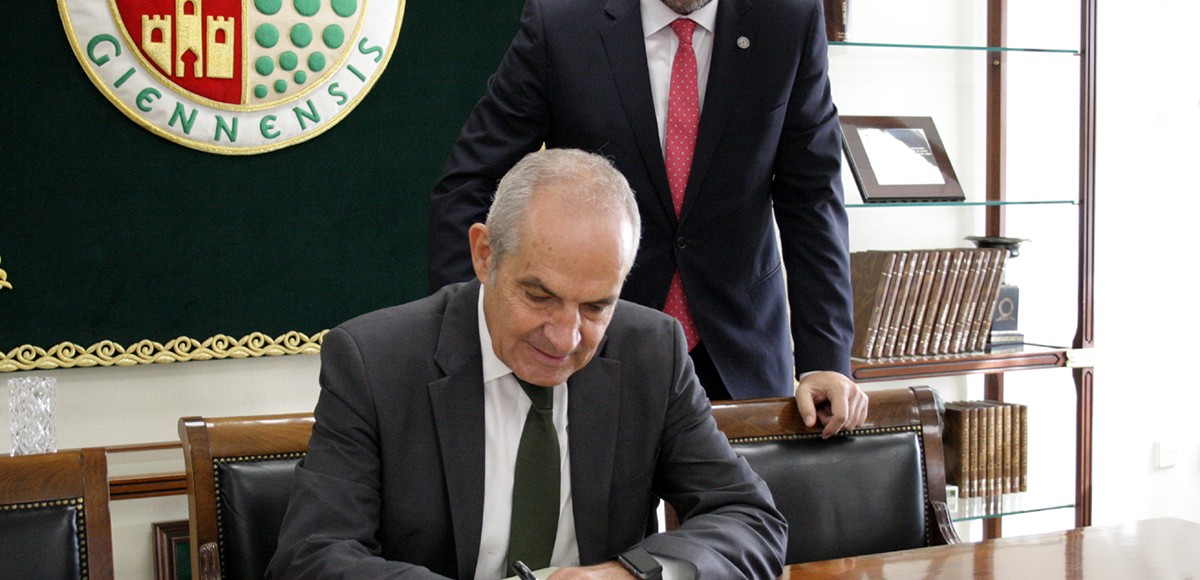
481,251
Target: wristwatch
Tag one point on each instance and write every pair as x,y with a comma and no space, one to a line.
640,563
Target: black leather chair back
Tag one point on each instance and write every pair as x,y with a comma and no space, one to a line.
54,518
253,495
878,488
42,540
239,472
846,496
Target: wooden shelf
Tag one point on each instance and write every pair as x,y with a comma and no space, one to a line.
867,370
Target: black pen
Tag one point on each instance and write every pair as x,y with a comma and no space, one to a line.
523,571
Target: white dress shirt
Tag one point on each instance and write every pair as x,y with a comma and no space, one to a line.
661,44
504,408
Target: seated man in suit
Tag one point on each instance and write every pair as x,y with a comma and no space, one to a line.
527,415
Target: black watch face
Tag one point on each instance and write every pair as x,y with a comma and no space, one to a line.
641,563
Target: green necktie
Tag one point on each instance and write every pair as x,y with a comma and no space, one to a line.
535,484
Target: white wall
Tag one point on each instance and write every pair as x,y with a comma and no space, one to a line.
1148,206
1149,114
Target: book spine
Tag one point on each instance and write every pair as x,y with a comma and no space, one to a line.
906,280
1022,448
982,314
910,306
989,438
836,16
889,304
870,275
990,306
939,327
918,318
1006,454
976,449
935,297
955,429
966,312
955,294
881,290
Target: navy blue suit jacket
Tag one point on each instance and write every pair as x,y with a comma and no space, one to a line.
769,146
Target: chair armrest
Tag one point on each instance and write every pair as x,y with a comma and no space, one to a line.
210,562
945,525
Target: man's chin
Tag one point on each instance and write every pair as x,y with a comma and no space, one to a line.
542,379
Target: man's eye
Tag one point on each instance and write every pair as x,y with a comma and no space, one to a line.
595,309
538,298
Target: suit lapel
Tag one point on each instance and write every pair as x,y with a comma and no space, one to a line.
593,402
625,45
457,404
726,77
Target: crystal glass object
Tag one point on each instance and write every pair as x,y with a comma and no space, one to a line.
31,415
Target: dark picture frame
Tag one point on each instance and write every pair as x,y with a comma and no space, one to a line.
172,550
899,159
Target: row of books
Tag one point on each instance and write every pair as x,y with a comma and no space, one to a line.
924,302
985,447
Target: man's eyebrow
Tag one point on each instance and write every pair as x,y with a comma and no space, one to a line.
535,283
606,301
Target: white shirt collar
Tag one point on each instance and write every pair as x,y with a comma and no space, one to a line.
493,367
656,16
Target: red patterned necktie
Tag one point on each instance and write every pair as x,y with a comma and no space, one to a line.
683,122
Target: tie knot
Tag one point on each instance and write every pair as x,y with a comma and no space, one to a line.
683,28
542,397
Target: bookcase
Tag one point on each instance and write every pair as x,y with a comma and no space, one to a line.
957,62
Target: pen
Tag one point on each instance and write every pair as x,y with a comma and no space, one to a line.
523,571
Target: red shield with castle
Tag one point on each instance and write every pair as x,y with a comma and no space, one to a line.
194,44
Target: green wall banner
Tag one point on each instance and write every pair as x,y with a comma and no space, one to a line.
186,180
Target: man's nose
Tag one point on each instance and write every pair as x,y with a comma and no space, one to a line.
563,331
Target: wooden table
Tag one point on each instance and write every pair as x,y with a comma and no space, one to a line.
1148,549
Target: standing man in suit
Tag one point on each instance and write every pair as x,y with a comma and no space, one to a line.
417,466
719,113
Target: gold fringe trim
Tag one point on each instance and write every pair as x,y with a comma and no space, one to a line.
183,349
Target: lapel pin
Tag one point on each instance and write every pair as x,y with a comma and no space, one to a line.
743,42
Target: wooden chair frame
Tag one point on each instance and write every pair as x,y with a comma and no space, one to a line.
209,441
68,476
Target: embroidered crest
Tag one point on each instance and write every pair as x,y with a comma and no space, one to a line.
233,76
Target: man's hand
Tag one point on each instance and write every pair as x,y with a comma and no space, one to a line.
833,399
605,571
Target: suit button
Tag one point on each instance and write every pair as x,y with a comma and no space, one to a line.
681,242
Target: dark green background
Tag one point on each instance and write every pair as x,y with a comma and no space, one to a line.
110,232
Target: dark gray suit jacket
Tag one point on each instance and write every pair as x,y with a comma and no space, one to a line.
393,482
768,152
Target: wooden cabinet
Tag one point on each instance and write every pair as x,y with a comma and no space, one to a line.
980,85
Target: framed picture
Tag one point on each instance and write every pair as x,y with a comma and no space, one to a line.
897,159
172,552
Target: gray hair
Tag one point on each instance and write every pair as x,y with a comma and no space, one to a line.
591,181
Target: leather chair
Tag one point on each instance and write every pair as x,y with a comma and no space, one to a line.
878,488
239,476
54,520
